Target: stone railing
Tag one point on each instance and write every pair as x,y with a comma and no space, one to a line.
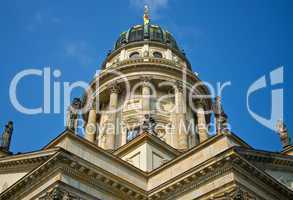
150,60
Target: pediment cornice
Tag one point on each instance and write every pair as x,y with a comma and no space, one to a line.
66,163
266,157
227,162
71,165
26,160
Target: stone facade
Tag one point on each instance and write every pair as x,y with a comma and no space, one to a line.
222,167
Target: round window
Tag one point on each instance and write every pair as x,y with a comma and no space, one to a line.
134,55
157,55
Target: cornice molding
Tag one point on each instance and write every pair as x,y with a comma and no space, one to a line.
65,163
26,160
94,147
274,158
240,165
194,177
231,161
288,149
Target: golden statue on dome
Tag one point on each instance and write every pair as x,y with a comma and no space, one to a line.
146,16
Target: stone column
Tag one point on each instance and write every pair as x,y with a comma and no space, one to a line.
91,127
146,96
201,122
112,118
180,103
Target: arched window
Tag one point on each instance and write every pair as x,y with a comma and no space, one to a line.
136,34
157,55
132,133
156,34
134,55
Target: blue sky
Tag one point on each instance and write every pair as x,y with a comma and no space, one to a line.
237,41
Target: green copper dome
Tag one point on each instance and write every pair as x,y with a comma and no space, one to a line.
146,32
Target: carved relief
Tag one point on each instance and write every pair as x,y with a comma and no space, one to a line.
58,194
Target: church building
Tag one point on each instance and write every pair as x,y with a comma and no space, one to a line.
146,136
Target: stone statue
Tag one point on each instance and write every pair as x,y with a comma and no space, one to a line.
239,195
146,16
56,194
70,119
149,124
72,113
6,136
76,104
283,133
217,106
221,116
224,122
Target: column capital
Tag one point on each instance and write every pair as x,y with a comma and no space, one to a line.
179,86
146,80
114,87
199,103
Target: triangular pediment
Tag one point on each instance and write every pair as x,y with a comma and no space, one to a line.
66,169
14,167
278,165
147,152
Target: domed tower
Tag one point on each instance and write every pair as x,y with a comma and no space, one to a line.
145,85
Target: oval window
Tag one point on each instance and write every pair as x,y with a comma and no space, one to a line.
157,55
134,55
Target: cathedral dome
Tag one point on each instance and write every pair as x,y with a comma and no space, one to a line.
147,32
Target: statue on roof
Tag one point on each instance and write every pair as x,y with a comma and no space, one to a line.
6,136
283,133
149,124
217,106
72,113
220,115
146,16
